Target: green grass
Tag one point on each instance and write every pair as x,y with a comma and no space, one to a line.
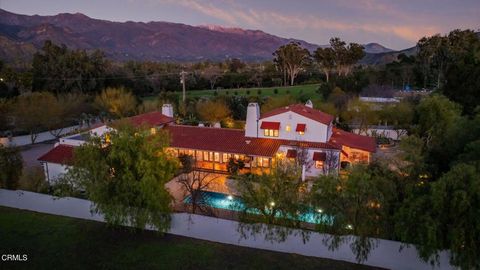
54,242
296,91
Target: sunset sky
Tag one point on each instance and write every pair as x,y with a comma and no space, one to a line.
397,24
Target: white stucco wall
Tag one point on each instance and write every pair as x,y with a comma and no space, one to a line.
53,171
387,254
314,131
41,137
311,171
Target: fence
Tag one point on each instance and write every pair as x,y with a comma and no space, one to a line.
387,254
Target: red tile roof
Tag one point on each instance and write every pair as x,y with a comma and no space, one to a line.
304,111
300,127
61,154
341,137
154,118
270,125
231,141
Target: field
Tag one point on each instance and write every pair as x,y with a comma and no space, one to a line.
295,91
53,242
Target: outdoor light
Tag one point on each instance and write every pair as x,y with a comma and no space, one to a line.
349,227
272,204
319,210
230,197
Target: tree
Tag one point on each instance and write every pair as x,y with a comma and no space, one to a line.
194,184
345,57
361,114
456,203
36,112
212,111
399,116
325,58
125,178
272,199
356,208
4,109
117,102
11,165
212,73
61,70
292,59
235,165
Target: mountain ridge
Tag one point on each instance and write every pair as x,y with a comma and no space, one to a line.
154,40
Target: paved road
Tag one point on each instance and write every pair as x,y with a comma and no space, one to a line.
31,153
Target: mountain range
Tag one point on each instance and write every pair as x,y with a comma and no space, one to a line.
22,35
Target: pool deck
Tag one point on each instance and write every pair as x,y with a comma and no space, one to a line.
218,183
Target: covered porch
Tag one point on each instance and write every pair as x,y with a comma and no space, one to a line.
217,162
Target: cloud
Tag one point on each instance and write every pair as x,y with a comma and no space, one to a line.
233,14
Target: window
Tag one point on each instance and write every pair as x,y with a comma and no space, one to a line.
270,132
153,131
288,128
225,157
199,155
319,164
205,156
217,157
301,132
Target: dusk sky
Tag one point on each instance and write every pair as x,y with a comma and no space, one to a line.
397,24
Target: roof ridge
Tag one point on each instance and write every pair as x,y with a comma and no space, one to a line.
229,129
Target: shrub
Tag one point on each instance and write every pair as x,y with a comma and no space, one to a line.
235,165
259,92
288,91
215,93
235,93
11,164
227,93
187,163
275,91
248,92
33,179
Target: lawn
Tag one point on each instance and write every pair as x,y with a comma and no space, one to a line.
54,242
297,90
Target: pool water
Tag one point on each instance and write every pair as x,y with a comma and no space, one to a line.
234,203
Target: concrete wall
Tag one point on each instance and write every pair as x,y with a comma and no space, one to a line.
314,132
387,254
42,137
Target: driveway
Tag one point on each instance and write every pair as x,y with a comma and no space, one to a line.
30,153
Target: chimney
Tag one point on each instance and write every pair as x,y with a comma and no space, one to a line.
309,104
167,109
251,124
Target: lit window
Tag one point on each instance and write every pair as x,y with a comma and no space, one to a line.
205,156
288,128
318,164
153,131
270,132
217,157
225,157
301,132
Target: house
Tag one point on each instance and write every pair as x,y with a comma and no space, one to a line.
296,132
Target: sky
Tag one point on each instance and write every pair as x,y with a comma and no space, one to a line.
396,24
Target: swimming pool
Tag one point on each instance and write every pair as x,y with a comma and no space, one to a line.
234,203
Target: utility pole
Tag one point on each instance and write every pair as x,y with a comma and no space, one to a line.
182,81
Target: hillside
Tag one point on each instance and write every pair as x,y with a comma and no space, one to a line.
22,35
